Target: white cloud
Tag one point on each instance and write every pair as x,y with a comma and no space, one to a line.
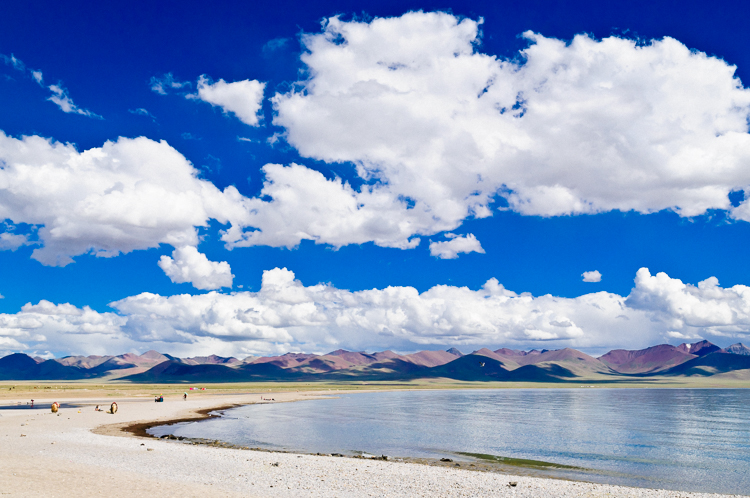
18,65
285,315
61,327
12,241
167,83
457,244
298,203
592,276
565,128
689,309
59,94
12,61
62,99
191,266
241,98
126,195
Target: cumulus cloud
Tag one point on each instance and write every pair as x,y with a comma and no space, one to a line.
126,195
65,103
584,126
298,203
189,265
592,276
455,245
61,327
286,315
241,98
692,309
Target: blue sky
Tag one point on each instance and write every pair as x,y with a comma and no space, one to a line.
436,147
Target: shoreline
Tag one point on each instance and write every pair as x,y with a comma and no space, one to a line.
475,465
98,451
139,429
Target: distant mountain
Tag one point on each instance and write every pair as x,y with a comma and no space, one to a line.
471,367
649,360
502,365
738,348
19,366
211,360
432,358
701,348
176,372
711,364
83,361
16,366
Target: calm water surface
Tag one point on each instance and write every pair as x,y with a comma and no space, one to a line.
683,439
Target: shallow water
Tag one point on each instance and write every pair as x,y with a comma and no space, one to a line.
682,439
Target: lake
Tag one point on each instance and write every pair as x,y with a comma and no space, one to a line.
681,439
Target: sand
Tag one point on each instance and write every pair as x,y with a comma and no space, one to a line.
86,453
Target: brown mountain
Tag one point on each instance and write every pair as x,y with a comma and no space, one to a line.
431,358
701,348
83,361
211,360
562,365
649,360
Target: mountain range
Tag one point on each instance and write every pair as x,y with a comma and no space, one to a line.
561,365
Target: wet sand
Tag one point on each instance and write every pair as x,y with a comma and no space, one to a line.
88,453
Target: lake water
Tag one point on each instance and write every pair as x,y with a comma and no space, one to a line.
681,439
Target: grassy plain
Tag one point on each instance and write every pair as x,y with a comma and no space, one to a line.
96,389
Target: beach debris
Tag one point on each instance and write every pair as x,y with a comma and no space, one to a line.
275,464
446,460
512,484
457,465
337,454
23,435
149,449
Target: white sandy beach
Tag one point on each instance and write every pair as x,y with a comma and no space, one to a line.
85,453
